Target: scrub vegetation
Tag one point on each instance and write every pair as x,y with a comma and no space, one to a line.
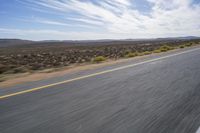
37,57
99,59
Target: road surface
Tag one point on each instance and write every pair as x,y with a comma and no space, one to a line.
157,94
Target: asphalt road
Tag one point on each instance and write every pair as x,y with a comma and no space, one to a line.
157,96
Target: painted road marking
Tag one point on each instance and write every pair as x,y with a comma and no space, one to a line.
198,131
95,74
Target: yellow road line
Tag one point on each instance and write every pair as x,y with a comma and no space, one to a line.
94,74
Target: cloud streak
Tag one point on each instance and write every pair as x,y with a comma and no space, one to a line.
166,18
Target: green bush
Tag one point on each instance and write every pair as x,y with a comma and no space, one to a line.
99,59
163,50
130,54
188,44
147,53
157,51
166,48
182,46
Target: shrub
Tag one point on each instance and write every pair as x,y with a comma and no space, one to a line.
188,44
3,68
157,51
19,70
35,67
130,54
146,53
1,79
163,50
6,68
166,48
182,46
99,59
16,70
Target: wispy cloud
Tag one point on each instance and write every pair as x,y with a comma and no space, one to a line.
58,23
51,22
166,18
87,21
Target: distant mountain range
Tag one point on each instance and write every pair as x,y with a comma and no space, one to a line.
13,42
20,42
186,38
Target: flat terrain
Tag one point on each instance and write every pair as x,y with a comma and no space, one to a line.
157,94
19,57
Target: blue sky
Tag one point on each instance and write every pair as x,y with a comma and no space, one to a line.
98,19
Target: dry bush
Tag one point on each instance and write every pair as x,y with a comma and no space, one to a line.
99,59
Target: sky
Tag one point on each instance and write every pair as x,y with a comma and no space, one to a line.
98,19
